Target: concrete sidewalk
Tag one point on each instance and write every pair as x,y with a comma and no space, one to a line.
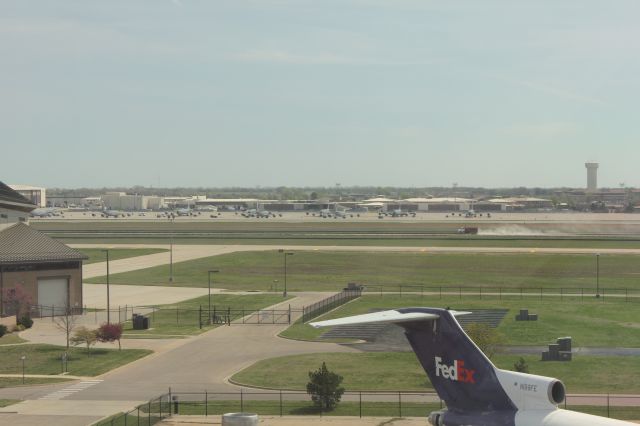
300,420
61,412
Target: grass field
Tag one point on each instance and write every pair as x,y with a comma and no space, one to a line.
401,371
609,324
8,382
98,255
10,339
183,318
329,271
45,359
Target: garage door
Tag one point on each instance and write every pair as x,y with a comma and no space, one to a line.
53,292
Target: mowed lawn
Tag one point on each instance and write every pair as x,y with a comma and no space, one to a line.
45,359
401,371
590,323
330,271
98,255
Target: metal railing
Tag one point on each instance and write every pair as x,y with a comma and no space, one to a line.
323,306
146,414
368,403
509,293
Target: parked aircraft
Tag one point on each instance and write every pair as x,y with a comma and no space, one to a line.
112,213
44,212
258,213
336,212
475,391
397,213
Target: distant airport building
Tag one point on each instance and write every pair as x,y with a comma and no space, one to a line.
236,203
14,208
522,203
131,202
35,194
592,176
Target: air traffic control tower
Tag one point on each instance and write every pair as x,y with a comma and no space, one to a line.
592,176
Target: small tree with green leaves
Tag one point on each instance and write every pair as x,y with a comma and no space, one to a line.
521,366
486,338
84,336
324,388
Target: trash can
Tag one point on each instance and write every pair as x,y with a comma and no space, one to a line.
240,419
140,322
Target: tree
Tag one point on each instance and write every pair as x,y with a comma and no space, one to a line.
84,336
66,323
486,338
521,366
109,332
324,388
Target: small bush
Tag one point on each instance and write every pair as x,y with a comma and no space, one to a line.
3,330
521,366
25,321
17,328
110,333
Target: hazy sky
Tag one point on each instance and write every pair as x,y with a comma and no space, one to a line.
296,93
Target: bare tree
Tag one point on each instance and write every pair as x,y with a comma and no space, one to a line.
66,323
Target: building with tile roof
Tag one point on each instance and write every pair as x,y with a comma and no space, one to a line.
47,271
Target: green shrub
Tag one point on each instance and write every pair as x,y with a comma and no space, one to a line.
3,330
25,321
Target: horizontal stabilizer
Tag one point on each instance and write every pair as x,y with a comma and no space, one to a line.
388,317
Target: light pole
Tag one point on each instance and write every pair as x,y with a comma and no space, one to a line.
285,253
213,271
108,304
172,219
23,358
597,274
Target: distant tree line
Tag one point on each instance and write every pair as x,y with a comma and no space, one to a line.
310,193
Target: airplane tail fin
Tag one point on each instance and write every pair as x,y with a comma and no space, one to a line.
460,373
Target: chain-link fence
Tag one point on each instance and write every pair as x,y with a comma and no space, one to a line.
323,306
146,414
368,404
510,293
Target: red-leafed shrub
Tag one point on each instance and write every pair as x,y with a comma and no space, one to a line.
109,332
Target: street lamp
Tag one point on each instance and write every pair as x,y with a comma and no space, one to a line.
213,271
23,358
172,219
285,253
108,304
597,274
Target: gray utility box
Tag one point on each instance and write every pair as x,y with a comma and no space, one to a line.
140,322
524,315
560,351
353,287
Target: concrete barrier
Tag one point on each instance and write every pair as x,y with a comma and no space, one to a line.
239,419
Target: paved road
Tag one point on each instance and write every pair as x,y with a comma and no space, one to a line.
202,362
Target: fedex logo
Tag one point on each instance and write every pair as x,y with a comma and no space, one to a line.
455,372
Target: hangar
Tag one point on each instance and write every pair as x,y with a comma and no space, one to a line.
48,271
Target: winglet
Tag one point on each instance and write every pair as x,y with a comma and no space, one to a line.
383,317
